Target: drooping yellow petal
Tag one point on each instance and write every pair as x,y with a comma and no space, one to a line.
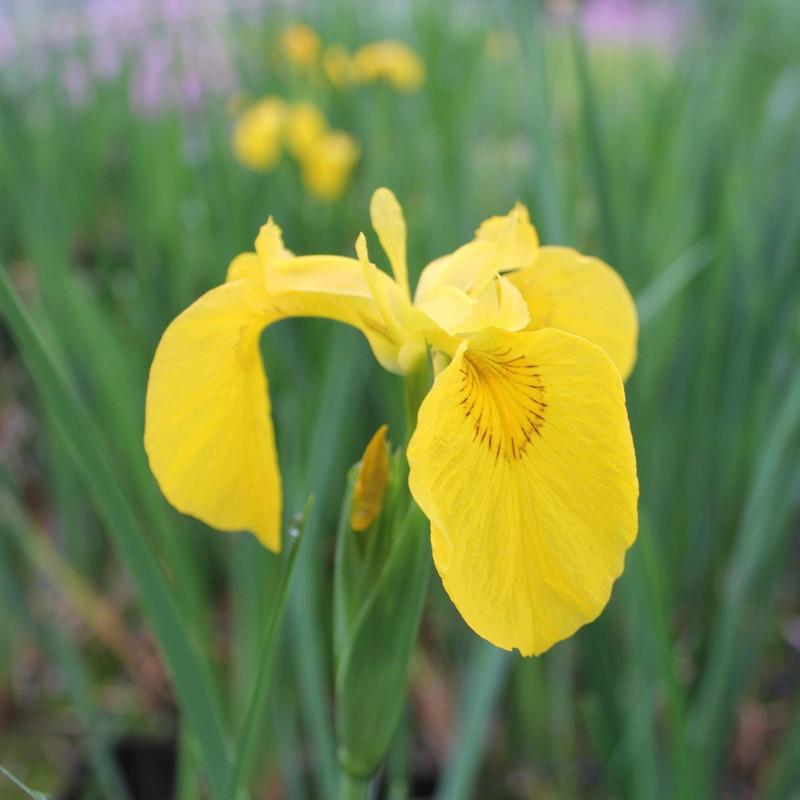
523,461
390,225
331,287
373,476
584,296
208,431
515,235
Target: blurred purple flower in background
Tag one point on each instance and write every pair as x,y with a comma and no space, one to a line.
171,52
647,22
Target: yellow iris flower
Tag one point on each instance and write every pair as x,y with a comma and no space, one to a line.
327,164
258,132
392,61
339,66
305,125
301,45
522,458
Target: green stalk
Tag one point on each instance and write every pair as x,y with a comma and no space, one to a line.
487,671
190,681
352,787
258,698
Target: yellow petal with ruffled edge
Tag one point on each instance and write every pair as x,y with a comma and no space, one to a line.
584,296
208,431
523,461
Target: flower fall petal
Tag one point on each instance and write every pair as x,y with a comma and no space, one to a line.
524,464
208,429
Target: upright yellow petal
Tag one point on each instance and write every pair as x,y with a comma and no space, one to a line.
584,296
390,225
208,430
269,249
500,244
523,461
446,306
516,236
471,269
500,305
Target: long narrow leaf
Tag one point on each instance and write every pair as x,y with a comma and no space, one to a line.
191,685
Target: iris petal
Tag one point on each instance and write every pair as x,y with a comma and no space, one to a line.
390,225
584,296
523,461
208,431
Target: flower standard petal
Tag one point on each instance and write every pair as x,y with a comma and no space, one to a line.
515,234
208,431
584,296
390,225
524,464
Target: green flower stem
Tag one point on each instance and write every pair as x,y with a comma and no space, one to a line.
352,787
417,385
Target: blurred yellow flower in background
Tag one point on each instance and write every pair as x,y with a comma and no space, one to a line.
257,134
392,61
339,66
305,125
300,45
328,165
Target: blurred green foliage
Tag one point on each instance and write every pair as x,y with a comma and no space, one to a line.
679,165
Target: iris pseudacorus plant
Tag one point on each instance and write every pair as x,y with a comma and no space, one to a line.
522,457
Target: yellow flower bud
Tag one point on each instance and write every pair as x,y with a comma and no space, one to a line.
373,475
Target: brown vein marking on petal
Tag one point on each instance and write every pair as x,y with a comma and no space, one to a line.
503,397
